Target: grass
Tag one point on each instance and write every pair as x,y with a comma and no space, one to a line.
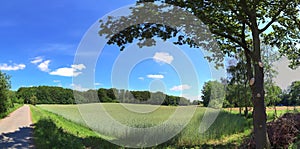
226,127
227,131
54,131
10,110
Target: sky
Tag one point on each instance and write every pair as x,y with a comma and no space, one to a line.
40,40
53,43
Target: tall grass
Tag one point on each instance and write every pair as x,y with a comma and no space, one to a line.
225,125
54,131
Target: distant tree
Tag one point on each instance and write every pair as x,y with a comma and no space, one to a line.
213,92
4,90
196,102
33,100
273,93
294,94
157,98
238,84
46,95
284,98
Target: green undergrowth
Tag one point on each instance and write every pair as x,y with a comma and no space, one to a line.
10,110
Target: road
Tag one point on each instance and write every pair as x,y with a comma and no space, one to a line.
16,130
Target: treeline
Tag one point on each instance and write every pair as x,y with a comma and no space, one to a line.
216,94
59,95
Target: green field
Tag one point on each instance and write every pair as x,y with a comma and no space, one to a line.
224,130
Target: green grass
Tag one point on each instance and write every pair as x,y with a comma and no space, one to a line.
225,126
227,131
11,109
54,131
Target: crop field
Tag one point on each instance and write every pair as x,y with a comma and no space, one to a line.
169,119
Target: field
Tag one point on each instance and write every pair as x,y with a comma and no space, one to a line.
223,130
228,130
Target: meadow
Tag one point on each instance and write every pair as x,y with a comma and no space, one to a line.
224,130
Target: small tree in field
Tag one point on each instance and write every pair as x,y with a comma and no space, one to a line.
235,24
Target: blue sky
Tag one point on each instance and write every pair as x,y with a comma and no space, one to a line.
39,41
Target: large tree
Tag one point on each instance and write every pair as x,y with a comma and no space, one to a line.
235,24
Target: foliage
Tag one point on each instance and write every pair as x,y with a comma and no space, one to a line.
46,94
213,93
295,93
59,95
11,109
5,102
33,100
273,93
291,97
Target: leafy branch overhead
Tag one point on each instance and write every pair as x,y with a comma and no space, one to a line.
231,23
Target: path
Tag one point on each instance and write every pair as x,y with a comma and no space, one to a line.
16,129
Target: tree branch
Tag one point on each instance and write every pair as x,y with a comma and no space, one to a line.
239,16
242,44
243,3
274,18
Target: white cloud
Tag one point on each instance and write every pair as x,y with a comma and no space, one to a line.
180,87
44,66
141,78
78,67
155,76
97,84
37,60
56,81
163,57
72,71
12,67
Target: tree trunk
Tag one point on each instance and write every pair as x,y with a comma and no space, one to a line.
258,96
259,111
275,112
246,111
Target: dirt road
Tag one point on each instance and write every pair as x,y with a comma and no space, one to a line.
16,129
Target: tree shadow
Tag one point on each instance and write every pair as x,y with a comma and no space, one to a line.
21,138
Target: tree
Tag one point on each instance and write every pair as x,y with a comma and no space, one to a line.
238,85
295,93
212,93
234,24
4,89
